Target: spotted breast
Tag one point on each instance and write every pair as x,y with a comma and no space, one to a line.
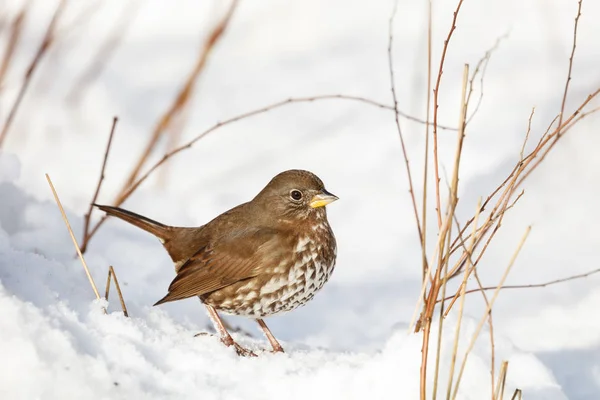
292,282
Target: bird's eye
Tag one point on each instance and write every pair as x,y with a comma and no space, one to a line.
296,194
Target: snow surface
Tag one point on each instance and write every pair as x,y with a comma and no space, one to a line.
351,341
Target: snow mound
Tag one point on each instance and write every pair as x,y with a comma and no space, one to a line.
61,345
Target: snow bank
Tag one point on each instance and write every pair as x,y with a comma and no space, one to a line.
62,346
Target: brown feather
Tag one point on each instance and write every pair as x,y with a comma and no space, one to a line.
235,257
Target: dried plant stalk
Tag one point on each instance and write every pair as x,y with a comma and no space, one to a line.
112,275
488,308
64,216
88,215
499,392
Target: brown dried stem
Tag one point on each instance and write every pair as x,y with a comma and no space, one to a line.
64,216
566,91
517,395
426,161
113,275
499,392
462,288
488,308
470,267
86,224
47,41
435,114
444,236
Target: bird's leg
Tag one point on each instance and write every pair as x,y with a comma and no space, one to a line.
224,335
274,343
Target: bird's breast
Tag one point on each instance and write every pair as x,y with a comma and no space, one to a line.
291,283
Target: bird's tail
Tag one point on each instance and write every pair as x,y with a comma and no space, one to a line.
163,232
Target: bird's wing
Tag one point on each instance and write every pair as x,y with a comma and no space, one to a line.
229,259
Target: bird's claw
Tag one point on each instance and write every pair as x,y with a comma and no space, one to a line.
241,351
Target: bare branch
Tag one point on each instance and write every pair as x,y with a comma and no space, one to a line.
533,285
566,91
86,224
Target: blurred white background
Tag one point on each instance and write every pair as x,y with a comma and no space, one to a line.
275,50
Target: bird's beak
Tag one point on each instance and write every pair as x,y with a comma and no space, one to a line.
322,199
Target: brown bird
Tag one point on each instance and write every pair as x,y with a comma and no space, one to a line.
261,258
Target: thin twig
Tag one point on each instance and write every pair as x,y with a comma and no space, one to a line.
64,216
444,235
435,114
517,395
566,91
533,285
113,275
86,224
481,66
527,133
42,50
540,155
125,195
468,270
469,254
488,308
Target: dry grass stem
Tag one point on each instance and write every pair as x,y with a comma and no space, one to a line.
444,236
499,392
86,224
47,41
468,270
426,156
112,275
517,395
440,332
64,216
488,308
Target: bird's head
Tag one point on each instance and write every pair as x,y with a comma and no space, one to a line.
295,194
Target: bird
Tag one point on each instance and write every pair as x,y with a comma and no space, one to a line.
261,258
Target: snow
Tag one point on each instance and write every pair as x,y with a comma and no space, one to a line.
352,340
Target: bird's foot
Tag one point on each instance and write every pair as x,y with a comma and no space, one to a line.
241,351
277,349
